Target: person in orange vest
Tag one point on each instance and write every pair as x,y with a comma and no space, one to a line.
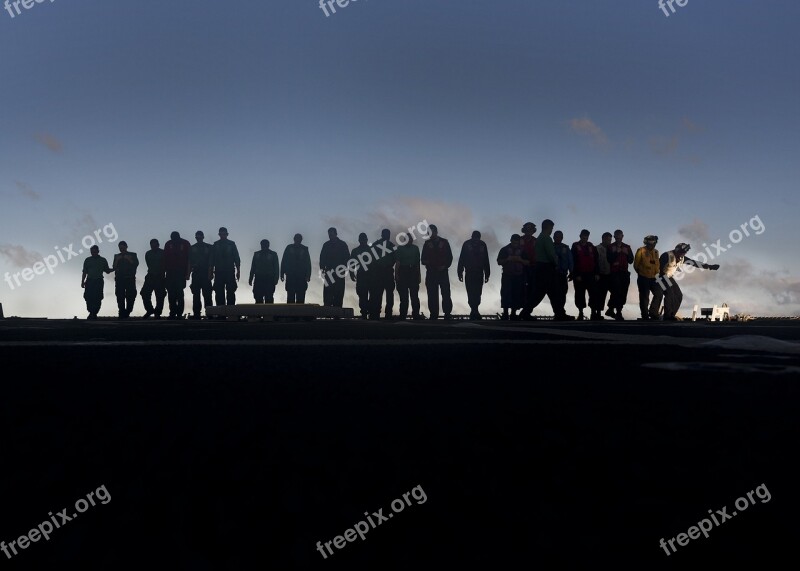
620,256
586,275
646,264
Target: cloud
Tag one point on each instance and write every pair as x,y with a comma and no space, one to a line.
589,128
18,256
26,190
50,142
84,223
696,232
664,145
691,126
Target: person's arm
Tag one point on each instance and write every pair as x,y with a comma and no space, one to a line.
697,264
502,256
418,268
460,266
487,270
307,257
351,265
283,264
663,262
83,275
275,269
571,263
237,260
323,257
550,250
424,256
252,269
135,261
449,256
211,262
630,255
638,261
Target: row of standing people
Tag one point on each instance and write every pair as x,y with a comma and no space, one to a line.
532,269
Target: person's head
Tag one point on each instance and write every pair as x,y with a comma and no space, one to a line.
606,238
618,235
154,244
547,226
476,235
265,244
515,238
94,250
681,249
332,233
223,233
558,236
175,236
199,236
298,239
409,238
123,246
529,228
362,239
385,234
434,231
584,236
650,242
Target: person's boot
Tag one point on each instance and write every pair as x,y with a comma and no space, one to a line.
610,312
618,315
581,317
504,317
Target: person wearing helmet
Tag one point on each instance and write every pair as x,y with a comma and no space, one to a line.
646,265
670,263
619,256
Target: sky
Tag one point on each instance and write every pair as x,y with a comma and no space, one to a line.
271,118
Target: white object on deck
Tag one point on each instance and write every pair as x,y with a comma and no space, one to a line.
269,311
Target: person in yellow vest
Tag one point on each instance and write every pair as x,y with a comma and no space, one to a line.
646,265
670,263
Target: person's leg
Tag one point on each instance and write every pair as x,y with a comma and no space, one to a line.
338,298
529,290
130,296
119,292
671,295
269,290
388,288
624,286
219,289
643,285
658,295
147,296
402,293
541,285
413,290
161,295
362,290
447,300
432,287
207,290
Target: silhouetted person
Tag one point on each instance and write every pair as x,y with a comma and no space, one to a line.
408,275
332,264
225,268
528,243
586,276
546,265
620,256
437,257
474,260
125,264
604,283
296,270
360,258
154,281
514,259
266,272
92,281
563,268
647,267
381,276
670,263
176,270
200,263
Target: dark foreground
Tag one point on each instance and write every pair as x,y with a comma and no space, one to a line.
241,445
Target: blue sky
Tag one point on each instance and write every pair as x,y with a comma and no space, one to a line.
271,118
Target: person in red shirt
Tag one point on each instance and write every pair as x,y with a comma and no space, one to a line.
177,269
586,274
